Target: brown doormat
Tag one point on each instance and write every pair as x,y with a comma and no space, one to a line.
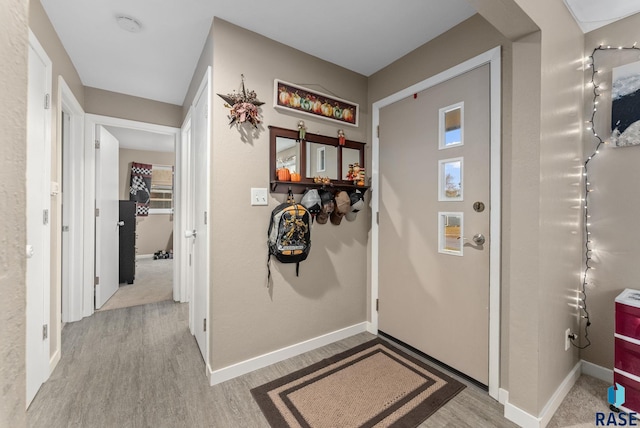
371,385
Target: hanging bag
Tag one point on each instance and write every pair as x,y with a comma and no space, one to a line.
289,234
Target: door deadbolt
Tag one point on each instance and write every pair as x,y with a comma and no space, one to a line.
478,206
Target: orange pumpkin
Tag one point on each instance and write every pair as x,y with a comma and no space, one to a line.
284,174
295,176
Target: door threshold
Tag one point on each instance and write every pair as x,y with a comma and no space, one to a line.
467,380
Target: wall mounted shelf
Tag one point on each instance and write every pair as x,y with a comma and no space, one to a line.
315,156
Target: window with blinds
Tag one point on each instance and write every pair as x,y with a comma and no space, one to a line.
161,201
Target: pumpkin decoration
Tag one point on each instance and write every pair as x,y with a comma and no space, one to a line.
284,174
295,176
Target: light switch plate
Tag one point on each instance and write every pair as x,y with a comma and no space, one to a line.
259,196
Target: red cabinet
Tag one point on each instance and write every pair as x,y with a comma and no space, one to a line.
627,347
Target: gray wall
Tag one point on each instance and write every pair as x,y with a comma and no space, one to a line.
546,148
106,103
615,203
13,116
247,319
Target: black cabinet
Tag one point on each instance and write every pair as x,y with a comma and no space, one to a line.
127,265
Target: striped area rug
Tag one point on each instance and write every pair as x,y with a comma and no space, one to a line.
371,385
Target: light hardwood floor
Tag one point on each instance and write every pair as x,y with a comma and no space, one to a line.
140,367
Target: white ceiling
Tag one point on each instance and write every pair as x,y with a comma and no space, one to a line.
361,35
142,140
593,14
158,62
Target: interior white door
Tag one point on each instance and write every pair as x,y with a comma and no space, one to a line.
187,184
107,229
200,153
65,129
38,228
434,205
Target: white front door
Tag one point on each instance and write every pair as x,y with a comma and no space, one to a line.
38,249
200,153
434,237
107,216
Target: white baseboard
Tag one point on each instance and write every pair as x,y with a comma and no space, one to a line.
503,396
520,417
370,328
54,360
526,420
144,256
244,367
597,371
558,397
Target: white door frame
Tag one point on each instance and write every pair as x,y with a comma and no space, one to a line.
205,83
491,57
91,121
38,317
72,149
183,158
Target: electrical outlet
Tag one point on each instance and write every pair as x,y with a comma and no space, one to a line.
259,196
567,339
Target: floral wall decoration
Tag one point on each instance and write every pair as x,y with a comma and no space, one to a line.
244,106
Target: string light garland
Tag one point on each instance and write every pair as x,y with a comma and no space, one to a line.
588,189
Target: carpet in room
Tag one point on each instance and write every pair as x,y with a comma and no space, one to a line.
371,385
153,283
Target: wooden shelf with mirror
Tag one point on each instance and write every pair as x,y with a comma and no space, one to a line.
316,156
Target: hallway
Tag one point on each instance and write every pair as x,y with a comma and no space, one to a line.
140,367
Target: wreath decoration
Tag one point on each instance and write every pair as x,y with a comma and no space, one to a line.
244,106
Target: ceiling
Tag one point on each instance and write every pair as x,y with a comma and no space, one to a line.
142,140
593,14
361,35
158,62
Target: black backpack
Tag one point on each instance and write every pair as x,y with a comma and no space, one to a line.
289,234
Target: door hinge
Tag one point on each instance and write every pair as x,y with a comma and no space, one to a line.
65,228
96,280
377,305
97,144
378,130
205,217
97,212
47,101
45,332
45,217
204,324
377,217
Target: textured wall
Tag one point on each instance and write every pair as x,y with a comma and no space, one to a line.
545,223
615,204
13,116
247,319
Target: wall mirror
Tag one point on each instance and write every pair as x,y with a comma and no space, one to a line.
322,160
287,154
317,156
